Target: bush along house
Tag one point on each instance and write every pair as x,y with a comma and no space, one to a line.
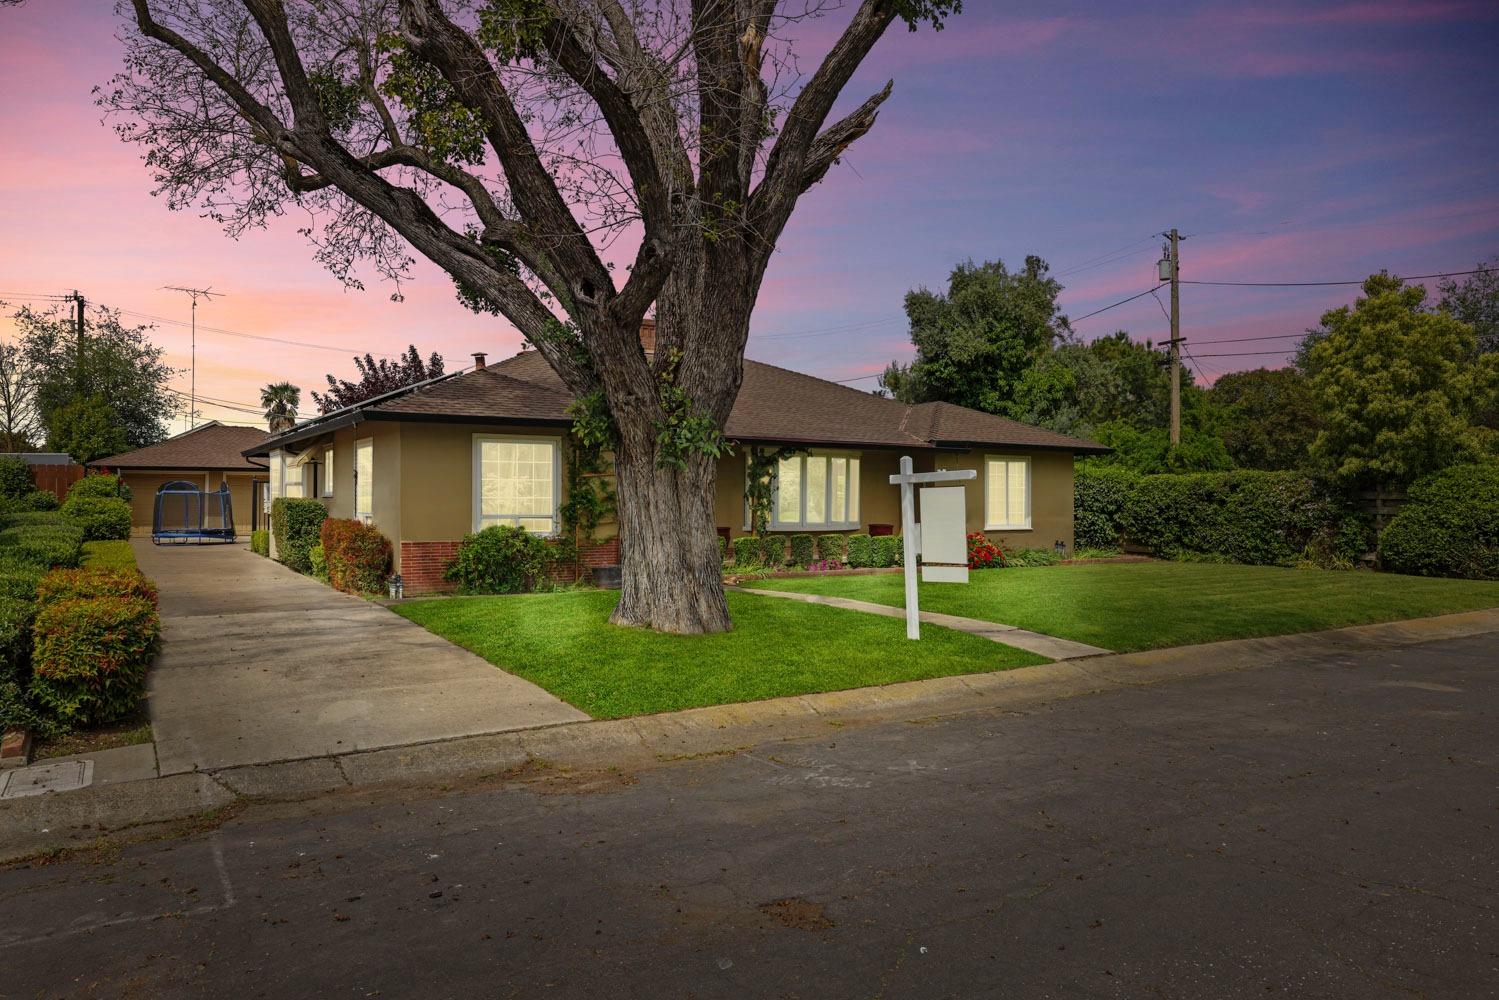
432,462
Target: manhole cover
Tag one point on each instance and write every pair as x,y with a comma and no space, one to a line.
63,776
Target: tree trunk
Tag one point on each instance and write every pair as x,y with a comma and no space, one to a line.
671,575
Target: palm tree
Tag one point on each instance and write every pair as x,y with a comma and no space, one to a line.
280,401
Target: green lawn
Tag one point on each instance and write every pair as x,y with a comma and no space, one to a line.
1130,606
564,643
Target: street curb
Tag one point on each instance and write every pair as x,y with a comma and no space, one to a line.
30,824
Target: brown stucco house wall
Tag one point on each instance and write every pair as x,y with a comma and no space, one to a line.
206,456
423,455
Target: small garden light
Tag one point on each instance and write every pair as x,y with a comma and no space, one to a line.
1060,547
397,588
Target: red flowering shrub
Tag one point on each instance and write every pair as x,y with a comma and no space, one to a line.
358,556
65,584
983,554
90,654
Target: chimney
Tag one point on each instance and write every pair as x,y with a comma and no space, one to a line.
648,335
478,360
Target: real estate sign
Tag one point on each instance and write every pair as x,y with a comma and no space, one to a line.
939,539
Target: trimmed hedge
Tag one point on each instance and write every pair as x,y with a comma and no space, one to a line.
773,551
89,657
76,584
43,545
832,547
15,478
860,551
296,523
802,550
115,554
36,500
1244,516
16,616
886,550
501,559
1449,526
746,550
101,485
101,518
355,555
260,541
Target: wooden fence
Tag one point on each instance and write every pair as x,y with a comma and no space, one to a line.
56,479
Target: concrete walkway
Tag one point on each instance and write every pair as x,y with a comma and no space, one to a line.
1048,646
261,664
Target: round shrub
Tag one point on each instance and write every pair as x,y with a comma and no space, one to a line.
15,478
100,484
101,518
36,500
71,584
802,549
356,556
260,542
746,550
1449,526
89,657
501,559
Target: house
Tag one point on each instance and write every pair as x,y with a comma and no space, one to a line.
431,462
209,455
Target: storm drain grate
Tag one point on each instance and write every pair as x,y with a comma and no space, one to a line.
62,776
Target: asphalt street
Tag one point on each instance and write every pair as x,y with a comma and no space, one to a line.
1315,829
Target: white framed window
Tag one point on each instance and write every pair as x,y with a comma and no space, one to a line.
517,480
1007,493
819,491
328,471
364,479
291,479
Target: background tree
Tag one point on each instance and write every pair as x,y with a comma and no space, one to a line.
116,365
1475,301
1397,387
280,400
87,429
976,342
545,130
378,377
20,426
1269,417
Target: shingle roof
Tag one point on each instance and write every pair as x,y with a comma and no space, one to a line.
774,404
210,446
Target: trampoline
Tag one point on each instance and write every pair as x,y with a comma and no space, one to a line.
186,515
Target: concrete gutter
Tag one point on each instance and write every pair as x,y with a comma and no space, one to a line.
52,820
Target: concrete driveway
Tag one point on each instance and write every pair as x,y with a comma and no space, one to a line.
261,664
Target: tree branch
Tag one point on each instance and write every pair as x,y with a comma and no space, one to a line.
829,146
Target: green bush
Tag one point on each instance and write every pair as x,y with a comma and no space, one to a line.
1099,496
113,554
101,518
773,551
44,545
832,547
260,542
860,550
36,500
15,478
76,584
101,485
1032,557
1449,526
501,559
1260,518
317,562
89,657
723,548
19,580
803,550
886,550
295,522
746,551
16,617
355,555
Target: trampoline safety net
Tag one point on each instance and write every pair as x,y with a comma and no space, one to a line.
186,514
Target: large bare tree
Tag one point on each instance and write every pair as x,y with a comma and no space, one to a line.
518,144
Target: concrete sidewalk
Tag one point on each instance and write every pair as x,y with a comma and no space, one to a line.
1048,646
261,664
51,820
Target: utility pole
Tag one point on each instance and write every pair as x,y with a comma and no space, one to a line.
194,294
1171,267
78,364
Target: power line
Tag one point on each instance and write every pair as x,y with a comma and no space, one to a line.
1248,354
1323,284
254,336
1141,295
827,331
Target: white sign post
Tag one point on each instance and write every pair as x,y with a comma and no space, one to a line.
911,532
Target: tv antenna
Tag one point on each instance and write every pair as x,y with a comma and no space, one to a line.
195,294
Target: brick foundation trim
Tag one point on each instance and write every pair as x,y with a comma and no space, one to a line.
423,564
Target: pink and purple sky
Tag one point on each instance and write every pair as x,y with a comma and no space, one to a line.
1290,142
